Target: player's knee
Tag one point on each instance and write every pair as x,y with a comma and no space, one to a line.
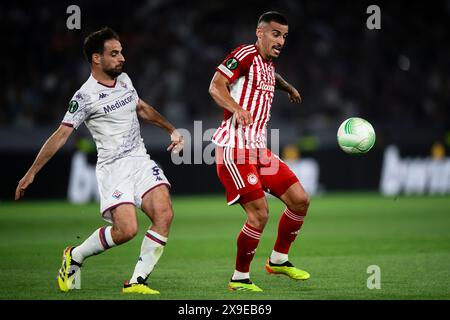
305,200
128,235
259,217
257,211
301,203
125,233
167,215
164,215
131,232
259,221
263,217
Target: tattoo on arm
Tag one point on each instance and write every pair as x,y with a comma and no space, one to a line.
282,84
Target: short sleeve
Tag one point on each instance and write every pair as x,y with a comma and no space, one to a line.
78,110
237,63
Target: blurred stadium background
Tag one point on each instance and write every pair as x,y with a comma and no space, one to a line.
398,78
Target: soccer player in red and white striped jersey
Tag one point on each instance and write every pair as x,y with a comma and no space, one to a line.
244,85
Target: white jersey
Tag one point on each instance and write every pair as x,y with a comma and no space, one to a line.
109,113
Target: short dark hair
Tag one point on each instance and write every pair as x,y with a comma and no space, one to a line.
273,16
94,43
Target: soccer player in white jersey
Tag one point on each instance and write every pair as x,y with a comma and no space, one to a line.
127,178
244,85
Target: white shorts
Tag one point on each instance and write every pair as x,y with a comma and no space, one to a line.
127,180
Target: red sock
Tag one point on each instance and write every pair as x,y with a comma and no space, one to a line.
247,242
288,228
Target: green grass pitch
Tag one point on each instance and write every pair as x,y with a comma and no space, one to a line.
343,234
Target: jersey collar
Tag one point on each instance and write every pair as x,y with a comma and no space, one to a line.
105,85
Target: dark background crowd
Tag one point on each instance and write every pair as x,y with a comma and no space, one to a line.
397,77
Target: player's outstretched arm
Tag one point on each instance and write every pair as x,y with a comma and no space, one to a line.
282,84
147,113
218,89
48,150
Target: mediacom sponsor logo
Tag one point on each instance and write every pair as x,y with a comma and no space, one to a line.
118,104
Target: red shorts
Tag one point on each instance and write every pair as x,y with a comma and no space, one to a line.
247,173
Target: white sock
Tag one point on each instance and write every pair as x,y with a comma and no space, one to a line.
278,258
98,242
151,250
237,275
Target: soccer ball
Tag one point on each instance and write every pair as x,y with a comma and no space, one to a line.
356,135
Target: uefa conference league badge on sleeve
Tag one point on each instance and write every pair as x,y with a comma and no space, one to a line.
73,106
231,64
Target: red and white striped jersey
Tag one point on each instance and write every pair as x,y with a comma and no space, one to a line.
252,86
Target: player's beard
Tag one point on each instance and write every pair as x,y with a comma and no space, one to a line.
114,72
